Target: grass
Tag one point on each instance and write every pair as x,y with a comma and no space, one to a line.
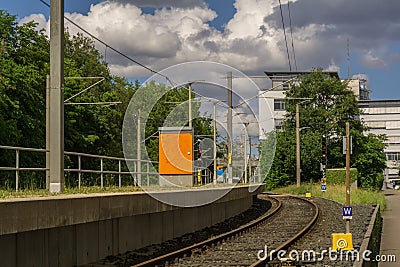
24,193
337,193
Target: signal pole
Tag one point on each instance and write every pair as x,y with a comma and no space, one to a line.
323,165
347,173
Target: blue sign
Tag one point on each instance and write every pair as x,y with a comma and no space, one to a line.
323,187
347,212
220,172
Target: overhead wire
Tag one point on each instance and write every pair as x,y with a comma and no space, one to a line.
114,49
291,35
284,33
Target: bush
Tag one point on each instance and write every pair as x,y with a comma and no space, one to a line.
338,176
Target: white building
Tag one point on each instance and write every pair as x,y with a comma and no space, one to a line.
381,116
275,98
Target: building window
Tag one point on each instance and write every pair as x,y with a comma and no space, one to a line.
279,104
278,124
393,156
286,86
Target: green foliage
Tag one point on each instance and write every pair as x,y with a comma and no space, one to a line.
282,170
338,176
331,104
24,57
25,61
167,111
371,161
94,129
337,193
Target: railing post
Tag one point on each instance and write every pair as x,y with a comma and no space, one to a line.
17,169
79,172
148,171
119,173
135,170
101,172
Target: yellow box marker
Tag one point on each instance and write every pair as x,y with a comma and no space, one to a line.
308,195
341,241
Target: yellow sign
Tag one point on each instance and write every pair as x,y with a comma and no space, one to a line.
229,158
342,241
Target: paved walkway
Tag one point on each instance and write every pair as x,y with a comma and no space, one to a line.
390,242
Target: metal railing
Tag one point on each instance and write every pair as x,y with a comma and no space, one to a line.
144,172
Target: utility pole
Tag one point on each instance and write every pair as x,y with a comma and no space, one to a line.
245,153
56,142
139,152
298,166
250,157
297,146
48,132
347,173
229,126
190,105
215,142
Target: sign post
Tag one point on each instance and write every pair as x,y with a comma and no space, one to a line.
323,166
347,173
341,241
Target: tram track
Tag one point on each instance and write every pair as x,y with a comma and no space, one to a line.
289,218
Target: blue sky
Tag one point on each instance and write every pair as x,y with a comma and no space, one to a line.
246,34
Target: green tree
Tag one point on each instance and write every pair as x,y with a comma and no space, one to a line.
281,170
331,104
168,106
371,161
93,128
24,59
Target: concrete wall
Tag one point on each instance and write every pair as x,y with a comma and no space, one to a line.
78,229
372,240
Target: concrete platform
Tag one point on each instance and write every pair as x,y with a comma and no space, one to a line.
71,230
390,241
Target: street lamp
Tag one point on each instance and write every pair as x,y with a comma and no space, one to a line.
298,140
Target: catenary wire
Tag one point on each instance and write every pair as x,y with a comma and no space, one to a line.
291,36
284,33
112,48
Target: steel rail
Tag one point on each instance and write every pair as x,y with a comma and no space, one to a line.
212,241
292,240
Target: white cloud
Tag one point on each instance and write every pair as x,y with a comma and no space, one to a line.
333,67
372,61
163,3
252,41
176,35
40,19
248,19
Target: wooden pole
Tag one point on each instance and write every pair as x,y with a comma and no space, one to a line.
347,173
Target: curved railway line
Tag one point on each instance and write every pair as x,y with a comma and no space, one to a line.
288,220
